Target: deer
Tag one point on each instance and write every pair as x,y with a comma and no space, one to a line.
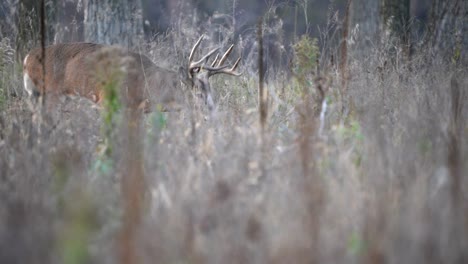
83,69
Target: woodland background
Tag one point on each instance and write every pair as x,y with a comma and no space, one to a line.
345,140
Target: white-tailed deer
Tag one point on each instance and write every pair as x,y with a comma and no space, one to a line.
85,69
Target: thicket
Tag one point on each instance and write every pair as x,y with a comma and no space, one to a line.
367,167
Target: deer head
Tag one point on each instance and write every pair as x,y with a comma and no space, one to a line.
197,73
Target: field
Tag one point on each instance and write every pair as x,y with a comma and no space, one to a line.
362,162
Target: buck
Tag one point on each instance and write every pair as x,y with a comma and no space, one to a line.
86,69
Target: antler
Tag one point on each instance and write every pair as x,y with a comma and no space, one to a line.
203,60
216,66
192,52
223,69
220,68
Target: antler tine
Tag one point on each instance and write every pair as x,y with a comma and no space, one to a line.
231,71
215,60
235,64
192,52
197,63
210,68
226,54
222,69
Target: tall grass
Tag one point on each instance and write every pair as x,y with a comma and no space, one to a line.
387,185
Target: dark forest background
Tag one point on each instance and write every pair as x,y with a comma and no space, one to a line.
437,23
344,140
66,17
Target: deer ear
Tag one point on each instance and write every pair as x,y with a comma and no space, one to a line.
185,77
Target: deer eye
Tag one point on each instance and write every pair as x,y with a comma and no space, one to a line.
195,70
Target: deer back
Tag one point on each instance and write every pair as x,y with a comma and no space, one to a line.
65,70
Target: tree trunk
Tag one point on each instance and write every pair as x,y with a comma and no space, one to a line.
34,25
448,29
113,21
27,16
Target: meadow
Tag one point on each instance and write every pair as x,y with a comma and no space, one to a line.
305,161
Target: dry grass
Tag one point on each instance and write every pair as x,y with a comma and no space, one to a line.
387,183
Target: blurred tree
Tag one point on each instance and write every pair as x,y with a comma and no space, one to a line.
395,17
113,21
69,26
396,24
363,25
448,29
27,24
371,21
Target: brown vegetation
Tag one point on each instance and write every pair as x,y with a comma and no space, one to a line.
296,182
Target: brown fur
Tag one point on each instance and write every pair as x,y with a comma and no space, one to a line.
84,68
